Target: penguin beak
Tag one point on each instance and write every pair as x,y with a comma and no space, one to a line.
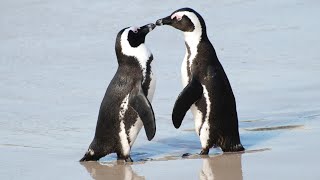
88,157
164,21
147,28
85,158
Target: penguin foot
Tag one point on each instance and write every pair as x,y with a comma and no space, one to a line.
128,159
125,158
204,151
146,159
186,155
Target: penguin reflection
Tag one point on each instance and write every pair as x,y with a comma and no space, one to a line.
223,167
115,172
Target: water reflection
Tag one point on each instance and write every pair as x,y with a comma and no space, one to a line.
222,167
100,171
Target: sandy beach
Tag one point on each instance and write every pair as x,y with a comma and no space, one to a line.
57,59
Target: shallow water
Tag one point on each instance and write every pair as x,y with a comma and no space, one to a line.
57,58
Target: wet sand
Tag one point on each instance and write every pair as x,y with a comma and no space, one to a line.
57,58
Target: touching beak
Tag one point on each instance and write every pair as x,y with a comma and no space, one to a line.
164,21
147,28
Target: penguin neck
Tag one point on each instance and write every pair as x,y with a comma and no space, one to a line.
141,53
193,40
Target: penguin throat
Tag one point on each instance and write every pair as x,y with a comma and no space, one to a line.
193,39
193,36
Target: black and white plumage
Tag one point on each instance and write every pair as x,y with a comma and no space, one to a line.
207,91
126,106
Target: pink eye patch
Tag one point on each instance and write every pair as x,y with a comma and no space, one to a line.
134,29
177,15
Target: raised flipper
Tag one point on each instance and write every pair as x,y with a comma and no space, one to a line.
139,102
189,95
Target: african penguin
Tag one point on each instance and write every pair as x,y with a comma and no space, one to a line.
126,106
207,90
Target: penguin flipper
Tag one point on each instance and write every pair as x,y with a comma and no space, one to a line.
139,102
189,95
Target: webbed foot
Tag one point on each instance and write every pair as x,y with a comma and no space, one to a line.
204,151
125,158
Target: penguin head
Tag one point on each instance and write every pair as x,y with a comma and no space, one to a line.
184,19
97,150
130,41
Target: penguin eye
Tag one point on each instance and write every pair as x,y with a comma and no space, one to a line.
179,18
135,29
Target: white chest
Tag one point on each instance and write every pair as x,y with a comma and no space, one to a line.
184,70
192,40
